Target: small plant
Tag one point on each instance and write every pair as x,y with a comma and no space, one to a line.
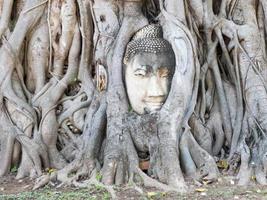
98,176
14,169
106,196
99,187
130,109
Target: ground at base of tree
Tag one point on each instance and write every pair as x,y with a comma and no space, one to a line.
10,189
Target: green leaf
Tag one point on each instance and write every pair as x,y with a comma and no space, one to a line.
98,176
14,169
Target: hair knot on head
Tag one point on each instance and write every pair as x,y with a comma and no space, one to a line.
149,39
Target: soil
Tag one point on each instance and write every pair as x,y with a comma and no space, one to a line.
224,188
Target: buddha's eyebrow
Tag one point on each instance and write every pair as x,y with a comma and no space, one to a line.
146,67
143,67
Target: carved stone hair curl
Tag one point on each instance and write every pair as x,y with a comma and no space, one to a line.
148,39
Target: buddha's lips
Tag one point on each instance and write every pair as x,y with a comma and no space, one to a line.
153,103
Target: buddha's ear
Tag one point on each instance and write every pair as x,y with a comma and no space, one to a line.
101,77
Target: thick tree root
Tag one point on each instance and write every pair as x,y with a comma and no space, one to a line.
205,166
62,176
66,176
195,161
85,161
52,45
150,182
253,166
93,181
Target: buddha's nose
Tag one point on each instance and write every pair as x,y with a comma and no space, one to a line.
154,88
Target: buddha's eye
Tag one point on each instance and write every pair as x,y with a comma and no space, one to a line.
164,73
140,73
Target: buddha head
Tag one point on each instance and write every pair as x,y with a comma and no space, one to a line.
149,65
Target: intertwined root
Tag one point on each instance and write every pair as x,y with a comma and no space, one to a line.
55,44
166,157
197,162
253,164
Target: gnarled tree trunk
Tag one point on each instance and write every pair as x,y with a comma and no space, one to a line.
64,105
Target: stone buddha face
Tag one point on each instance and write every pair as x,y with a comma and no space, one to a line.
148,78
149,67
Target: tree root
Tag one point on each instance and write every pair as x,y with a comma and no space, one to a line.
150,182
77,167
226,51
201,134
6,153
206,167
94,181
253,167
66,176
5,16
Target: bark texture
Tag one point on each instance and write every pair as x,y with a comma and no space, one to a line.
64,110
